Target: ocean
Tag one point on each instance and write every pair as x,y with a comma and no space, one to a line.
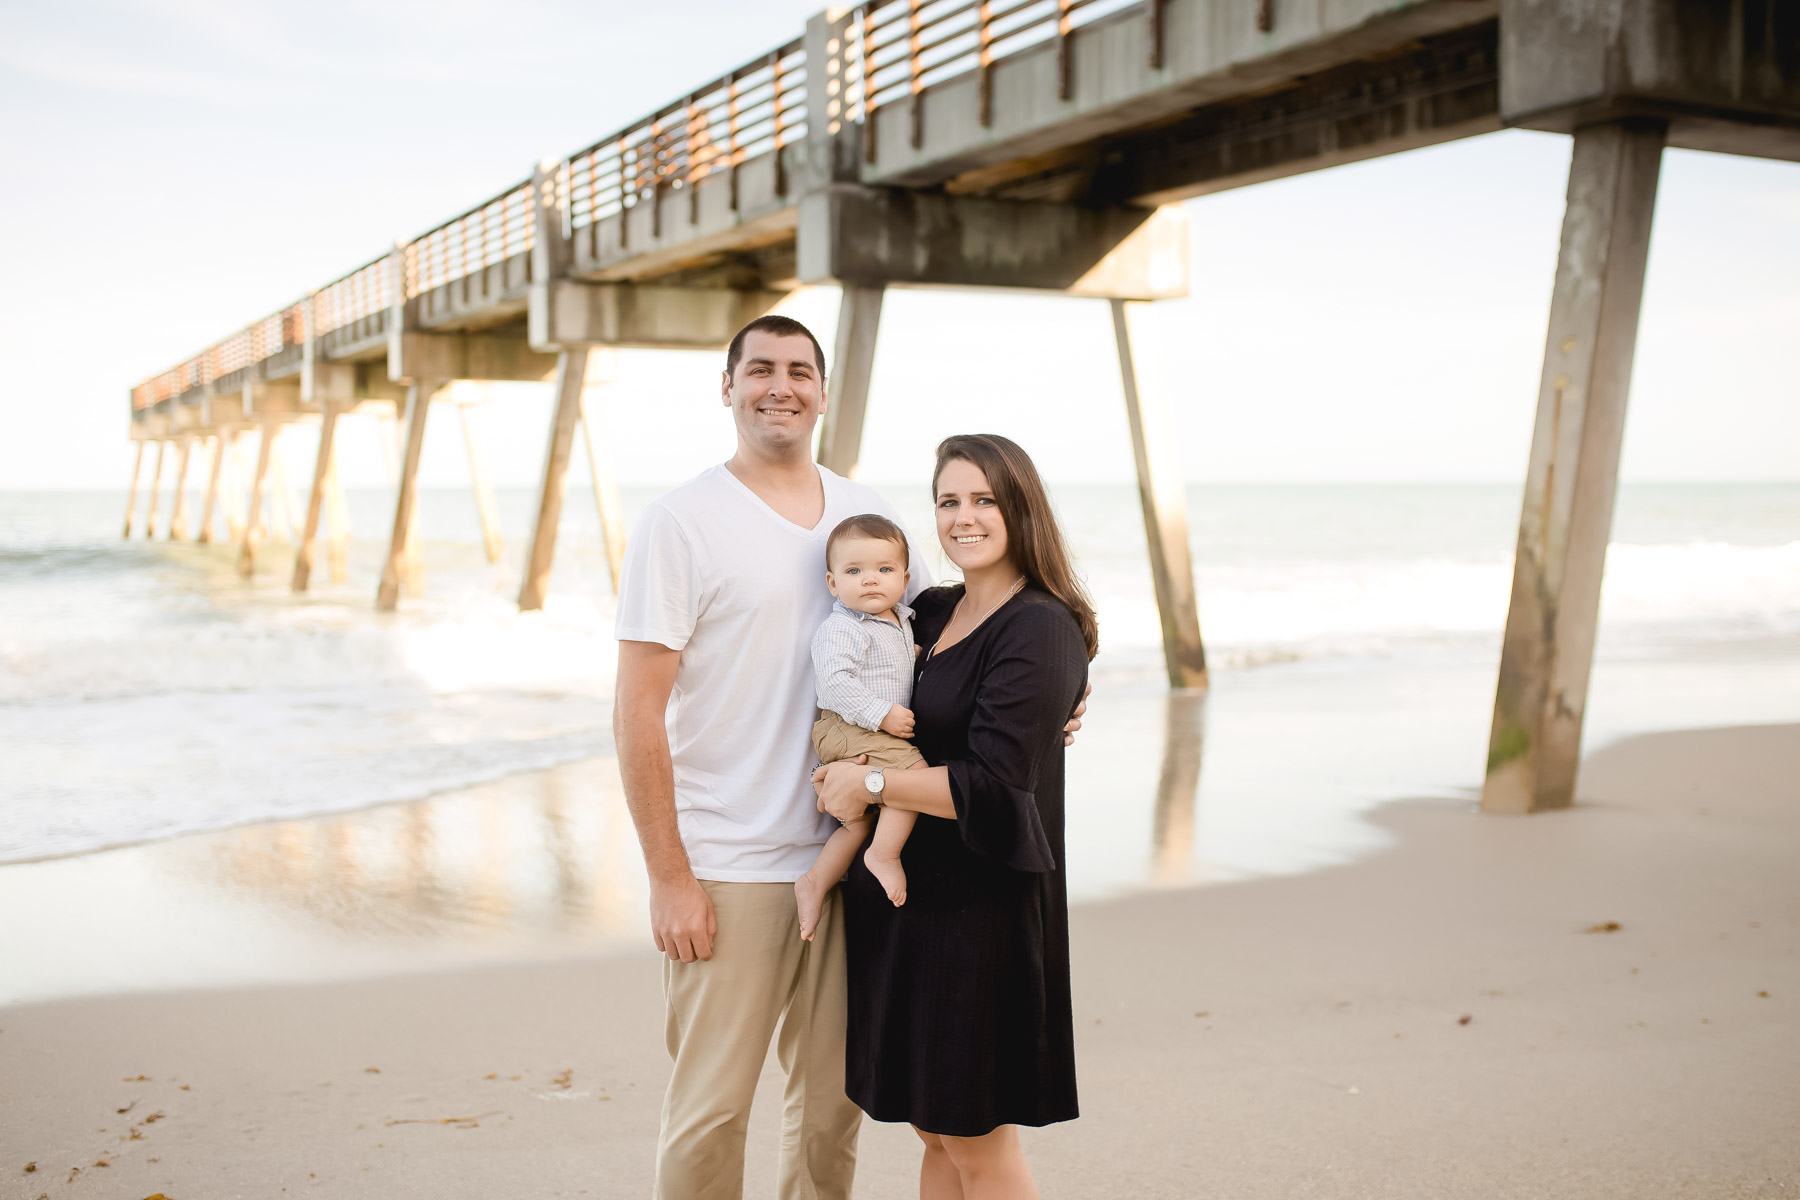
146,692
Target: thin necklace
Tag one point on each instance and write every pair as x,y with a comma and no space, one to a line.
1010,593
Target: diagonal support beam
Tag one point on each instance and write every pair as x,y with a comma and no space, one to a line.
272,416
418,407
1164,501
137,466
1535,747
178,518
852,366
337,547
231,499
485,508
606,487
221,446
155,490
571,375
315,500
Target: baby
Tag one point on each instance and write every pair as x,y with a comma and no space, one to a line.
863,659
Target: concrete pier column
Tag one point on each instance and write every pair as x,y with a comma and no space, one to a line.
137,466
485,508
847,389
1570,484
571,375
315,500
606,486
230,486
272,415
391,456
221,446
418,408
337,546
178,515
1163,496
155,490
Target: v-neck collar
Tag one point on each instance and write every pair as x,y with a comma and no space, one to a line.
815,533
932,654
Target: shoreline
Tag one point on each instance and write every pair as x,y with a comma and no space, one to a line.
1287,1035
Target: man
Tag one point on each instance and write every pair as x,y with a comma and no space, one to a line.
721,594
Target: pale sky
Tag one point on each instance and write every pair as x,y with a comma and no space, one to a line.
177,168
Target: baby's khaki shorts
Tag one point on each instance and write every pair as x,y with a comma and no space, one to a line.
835,738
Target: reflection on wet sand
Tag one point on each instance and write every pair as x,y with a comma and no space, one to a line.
552,852
1178,788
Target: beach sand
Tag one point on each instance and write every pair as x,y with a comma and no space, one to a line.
1455,1015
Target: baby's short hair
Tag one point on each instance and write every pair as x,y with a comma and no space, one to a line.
866,525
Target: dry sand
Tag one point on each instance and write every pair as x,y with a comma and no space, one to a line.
1434,1021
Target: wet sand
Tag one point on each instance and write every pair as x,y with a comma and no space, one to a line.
1279,1037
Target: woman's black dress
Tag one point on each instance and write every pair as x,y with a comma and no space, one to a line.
959,1000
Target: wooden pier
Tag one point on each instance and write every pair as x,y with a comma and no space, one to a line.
1043,145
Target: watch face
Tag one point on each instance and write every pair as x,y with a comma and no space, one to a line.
874,781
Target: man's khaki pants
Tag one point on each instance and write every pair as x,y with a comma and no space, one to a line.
721,1014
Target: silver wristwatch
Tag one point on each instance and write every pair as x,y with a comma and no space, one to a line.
875,781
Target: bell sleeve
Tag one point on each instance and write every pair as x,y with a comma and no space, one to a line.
1030,685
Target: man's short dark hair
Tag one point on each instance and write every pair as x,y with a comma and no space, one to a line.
866,525
779,326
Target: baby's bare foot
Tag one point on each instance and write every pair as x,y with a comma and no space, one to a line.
810,895
890,874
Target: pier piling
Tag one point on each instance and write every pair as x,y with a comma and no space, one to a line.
1163,497
847,388
315,498
137,466
155,490
337,547
219,442
272,414
401,567
231,486
606,486
1570,484
571,376
178,515
485,508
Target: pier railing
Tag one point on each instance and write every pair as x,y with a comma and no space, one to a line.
275,333
361,294
491,232
757,109
889,53
904,47
754,110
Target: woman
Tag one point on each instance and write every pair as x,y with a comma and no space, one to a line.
960,1019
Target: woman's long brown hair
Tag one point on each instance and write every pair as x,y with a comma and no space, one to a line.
1034,541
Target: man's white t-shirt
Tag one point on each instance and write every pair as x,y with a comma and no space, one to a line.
717,574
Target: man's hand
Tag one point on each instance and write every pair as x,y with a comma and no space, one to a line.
899,721
1075,717
840,787
682,919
